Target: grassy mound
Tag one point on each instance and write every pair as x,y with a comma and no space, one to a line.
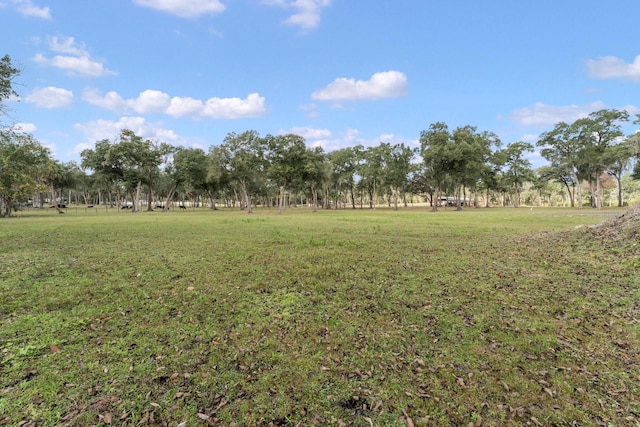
625,225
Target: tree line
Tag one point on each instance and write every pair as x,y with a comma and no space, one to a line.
463,166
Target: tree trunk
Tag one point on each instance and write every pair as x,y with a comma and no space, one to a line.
55,202
136,198
516,199
281,200
6,208
353,199
245,195
172,192
577,189
599,193
394,196
434,206
314,197
149,199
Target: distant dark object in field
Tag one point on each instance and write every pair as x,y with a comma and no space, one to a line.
127,207
183,207
90,206
159,207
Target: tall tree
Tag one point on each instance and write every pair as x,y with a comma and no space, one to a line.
617,158
8,72
286,161
106,168
580,148
188,167
141,159
435,144
517,168
344,164
561,147
396,166
597,133
315,173
242,157
23,162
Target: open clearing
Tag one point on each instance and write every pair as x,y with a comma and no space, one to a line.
481,317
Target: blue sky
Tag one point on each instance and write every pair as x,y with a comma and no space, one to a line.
337,72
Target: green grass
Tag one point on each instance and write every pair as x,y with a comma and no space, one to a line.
486,316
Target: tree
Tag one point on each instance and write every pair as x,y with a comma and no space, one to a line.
141,160
344,163
242,158
396,166
489,178
561,148
580,149
541,183
22,166
435,146
518,169
617,158
467,153
8,72
107,168
597,133
369,165
189,167
285,162
315,172
131,161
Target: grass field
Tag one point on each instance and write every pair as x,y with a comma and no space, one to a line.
364,318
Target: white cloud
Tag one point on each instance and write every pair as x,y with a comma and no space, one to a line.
24,127
50,97
311,110
75,59
153,101
611,67
235,108
67,46
310,134
28,9
184,8
306,13
387,84
181,107
98,130
110,101
543,115
150,101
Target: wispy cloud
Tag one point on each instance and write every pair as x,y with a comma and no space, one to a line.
184,8
306,13
98,130
73,58
154,101
611,67
24,127
50,97
387,84
543,115
29,9
308,133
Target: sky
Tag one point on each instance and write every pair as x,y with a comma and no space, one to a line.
337,72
